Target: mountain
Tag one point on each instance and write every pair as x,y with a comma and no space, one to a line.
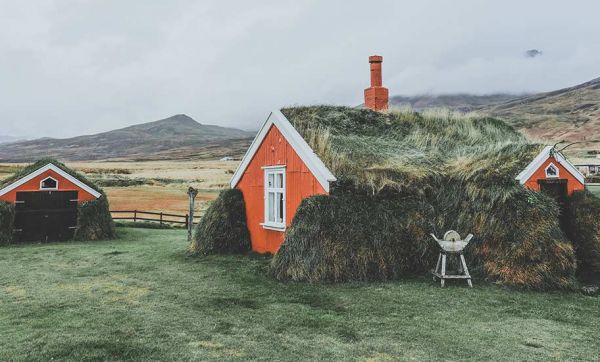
462,101
570,114
175,137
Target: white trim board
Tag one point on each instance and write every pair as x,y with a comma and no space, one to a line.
41,170
539,160
306,154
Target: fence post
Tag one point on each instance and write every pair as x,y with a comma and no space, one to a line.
134,215
186,220
192,192
161,218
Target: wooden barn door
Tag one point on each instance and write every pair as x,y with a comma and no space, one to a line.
557,189
46,215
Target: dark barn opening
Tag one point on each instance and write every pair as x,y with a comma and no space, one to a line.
46,216
557,189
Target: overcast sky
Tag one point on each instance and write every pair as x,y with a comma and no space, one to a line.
78,67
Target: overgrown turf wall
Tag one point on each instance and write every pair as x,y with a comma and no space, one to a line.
7,217
94,220
222,229
583,229
347,237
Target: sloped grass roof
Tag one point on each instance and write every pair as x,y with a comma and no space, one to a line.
41,163
378,149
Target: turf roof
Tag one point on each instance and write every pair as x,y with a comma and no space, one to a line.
378,149
41,163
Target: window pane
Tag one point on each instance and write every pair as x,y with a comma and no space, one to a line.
279,180
271,177
49,184
271,206
280,209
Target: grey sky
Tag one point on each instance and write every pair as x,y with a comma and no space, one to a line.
74,67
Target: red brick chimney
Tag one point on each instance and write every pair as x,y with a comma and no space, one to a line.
376,96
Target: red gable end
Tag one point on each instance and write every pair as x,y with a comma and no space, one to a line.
62,184
274,150
551,167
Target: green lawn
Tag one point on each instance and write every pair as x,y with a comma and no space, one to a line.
140,298
594,189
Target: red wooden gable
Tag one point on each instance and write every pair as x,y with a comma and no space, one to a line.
300,183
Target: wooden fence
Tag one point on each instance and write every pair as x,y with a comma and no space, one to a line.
160,217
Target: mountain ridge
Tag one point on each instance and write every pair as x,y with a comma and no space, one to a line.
178,136
570,114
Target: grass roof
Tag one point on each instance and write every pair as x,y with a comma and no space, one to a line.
41,163
394,148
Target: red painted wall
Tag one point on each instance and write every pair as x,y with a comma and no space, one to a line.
540,174
300,183
34,185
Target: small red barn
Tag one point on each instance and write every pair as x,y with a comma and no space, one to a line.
46,201
551,172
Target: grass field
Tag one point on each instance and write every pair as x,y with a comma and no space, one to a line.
594,189
141,298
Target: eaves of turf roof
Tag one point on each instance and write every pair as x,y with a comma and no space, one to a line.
43,162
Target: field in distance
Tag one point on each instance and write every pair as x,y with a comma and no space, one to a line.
152,185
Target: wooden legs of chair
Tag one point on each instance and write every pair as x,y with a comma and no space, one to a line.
440,269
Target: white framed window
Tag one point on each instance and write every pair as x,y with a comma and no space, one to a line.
274,198
49,183
552,171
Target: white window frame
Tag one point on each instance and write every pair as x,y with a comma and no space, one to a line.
48,188
270,224
556,168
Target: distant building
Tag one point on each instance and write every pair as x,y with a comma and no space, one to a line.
588,166
551,172
228,158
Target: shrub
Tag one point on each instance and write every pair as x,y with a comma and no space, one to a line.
583,229
94,220
7,217
222,229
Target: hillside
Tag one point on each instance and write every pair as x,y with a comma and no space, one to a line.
461,101
570,114
175,137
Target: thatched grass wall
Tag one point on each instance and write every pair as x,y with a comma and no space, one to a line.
222,229
583,230
7,217
356,237
403,175
94,220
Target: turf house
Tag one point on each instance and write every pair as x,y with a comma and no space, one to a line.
47,201
340,194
